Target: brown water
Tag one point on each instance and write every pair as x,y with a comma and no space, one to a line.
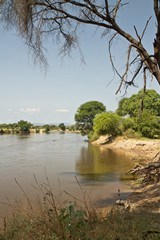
68,162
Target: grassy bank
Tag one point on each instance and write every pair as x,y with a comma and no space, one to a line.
49,219
79,224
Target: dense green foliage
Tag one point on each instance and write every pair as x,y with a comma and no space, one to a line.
24,126
148,125
132,106
47,128
141,121
127,123
144,111
86,113
130,119
107,123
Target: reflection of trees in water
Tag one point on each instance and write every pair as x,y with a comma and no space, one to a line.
95,162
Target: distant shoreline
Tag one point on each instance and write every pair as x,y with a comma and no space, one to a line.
33,131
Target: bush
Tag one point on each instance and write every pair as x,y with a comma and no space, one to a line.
130,133
93,136
148,125
47,129
107,123
85,115
128,123
62,127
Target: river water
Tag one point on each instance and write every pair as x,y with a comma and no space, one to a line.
67,160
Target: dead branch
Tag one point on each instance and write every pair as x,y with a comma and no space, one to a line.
116,9
150,173
36,19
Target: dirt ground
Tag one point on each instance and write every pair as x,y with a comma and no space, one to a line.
138,149
143,151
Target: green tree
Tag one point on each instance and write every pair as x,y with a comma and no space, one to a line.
128,123
148,125
24,126
132,106
62,126
61,19
107,123
47,128
72,127
86,113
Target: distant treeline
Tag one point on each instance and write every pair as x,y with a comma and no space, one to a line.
25,127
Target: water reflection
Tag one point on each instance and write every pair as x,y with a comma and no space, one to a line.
64,158
101,164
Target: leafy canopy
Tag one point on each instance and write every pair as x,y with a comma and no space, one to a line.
24,126
62,126
148,125
86,113
107,123
132,106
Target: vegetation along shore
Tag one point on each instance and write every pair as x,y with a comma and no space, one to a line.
132,129
134,52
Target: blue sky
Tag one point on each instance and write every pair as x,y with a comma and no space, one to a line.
28,93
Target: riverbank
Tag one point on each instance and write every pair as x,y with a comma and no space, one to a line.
143,152
51,220
137,149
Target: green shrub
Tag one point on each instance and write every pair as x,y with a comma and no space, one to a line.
85,115
93,136
128,123
148,125
107,123
62,127
131,133
47,129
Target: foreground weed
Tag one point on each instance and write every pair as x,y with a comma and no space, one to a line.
75,222
51,220
117,225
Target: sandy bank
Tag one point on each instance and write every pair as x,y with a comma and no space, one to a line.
147,151
144,150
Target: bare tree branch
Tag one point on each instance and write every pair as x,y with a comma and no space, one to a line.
37,19
116,9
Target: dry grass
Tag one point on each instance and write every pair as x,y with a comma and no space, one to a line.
51,220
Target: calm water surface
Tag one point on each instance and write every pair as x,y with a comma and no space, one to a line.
63,157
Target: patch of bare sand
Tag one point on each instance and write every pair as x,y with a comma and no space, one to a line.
147,197
138,149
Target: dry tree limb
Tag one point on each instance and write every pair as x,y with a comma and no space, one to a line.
36,20
150,172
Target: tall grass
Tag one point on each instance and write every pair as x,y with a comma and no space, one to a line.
50,219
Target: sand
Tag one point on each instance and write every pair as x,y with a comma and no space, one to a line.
144,152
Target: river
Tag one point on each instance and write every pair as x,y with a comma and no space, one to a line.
69,163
